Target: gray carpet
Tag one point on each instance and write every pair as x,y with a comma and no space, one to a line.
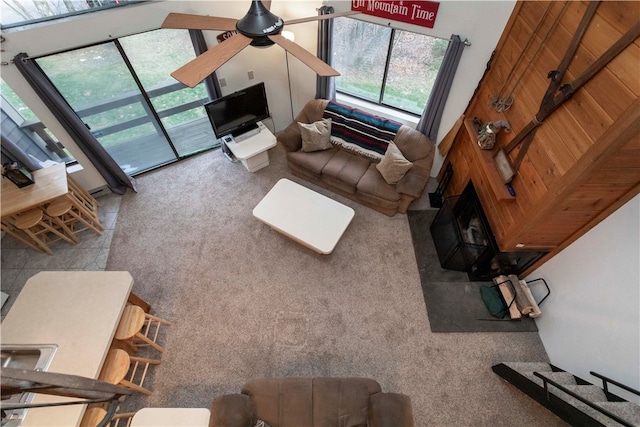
247,302
453,302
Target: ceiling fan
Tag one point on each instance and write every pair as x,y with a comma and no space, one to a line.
259,27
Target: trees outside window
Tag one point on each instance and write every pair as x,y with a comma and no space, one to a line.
384,65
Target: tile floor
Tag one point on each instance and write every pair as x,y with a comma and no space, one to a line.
18,263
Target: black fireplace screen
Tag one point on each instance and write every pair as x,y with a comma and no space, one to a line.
464,240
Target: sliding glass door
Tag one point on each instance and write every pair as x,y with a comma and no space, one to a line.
154,56
124,93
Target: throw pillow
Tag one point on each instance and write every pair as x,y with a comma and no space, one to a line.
393,165
316,136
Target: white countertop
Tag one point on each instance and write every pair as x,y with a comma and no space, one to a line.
77,310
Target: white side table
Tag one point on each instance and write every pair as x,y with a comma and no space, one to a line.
171,417
252,151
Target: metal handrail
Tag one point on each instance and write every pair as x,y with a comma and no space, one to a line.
546,380
605,380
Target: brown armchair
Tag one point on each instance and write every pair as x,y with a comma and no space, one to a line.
312,402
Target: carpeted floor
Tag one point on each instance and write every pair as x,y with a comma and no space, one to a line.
247,302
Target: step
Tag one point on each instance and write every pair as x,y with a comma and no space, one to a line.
562,378
626,410
590,392
526,367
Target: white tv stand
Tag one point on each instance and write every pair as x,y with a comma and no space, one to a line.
251,148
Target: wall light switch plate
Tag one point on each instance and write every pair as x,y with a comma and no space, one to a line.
250,74
223,82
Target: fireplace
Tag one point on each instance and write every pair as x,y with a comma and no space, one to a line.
464,240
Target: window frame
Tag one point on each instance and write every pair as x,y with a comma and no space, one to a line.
69,14
379,102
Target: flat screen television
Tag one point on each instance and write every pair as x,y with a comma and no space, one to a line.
238,112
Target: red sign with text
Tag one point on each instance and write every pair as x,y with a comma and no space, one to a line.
415,12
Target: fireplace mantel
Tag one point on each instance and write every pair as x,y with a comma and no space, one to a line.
583,162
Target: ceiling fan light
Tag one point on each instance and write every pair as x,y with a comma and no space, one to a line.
288,35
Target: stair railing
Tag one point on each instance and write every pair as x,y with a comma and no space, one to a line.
547,381
606,380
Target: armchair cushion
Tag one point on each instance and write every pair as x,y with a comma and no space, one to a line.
233,410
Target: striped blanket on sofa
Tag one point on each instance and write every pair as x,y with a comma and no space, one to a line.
360,132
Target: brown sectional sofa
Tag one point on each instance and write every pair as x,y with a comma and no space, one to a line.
353,175
312,402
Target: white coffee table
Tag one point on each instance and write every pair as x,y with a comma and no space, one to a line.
305,216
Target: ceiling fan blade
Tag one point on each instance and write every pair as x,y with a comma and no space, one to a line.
195,71
317,65
198,22
320,17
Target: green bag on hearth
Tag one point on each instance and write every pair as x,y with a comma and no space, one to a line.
494,301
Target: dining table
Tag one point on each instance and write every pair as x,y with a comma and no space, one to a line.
49,184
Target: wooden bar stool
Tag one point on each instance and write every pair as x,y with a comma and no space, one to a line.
82,196
73,216
40,228
138,328
129,371
9,227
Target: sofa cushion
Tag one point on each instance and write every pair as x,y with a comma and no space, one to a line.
372,183
282,402
342,402
360,132
393,165
314,161
316,136
346,167
413,144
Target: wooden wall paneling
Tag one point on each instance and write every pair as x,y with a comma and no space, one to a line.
630,194
570,132
626,67
607,90
601,34
594,197
624,130
557,227
620,14
626,158
532,11
623,176
507,30
559,143
592,117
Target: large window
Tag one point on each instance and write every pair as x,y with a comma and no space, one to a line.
22,12
384,65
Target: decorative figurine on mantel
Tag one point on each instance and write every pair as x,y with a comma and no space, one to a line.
487,133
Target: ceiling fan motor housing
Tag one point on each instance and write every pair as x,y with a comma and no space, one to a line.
259,23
